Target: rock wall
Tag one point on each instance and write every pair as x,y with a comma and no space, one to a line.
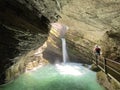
27,62
24,26
110,43
53,52
92,22
107,82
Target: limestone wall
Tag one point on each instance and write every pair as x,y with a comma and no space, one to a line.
24,26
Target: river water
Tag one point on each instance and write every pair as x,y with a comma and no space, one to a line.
69,76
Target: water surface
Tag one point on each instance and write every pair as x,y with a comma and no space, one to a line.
70,76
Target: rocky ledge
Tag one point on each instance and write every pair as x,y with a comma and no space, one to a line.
24,26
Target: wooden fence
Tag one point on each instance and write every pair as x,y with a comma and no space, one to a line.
110,67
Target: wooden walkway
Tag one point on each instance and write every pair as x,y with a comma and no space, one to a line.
110,67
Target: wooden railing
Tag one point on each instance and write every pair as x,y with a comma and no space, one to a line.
110,67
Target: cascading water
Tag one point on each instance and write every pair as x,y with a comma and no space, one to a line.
64,50
65,76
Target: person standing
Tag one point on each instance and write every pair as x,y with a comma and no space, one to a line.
97,51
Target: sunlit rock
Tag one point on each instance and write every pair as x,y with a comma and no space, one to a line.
35,63
90,23
24,26
29,66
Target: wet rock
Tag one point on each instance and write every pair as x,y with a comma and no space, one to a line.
24,26
92,22
107,82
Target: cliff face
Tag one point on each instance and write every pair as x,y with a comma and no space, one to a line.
93,22
24,26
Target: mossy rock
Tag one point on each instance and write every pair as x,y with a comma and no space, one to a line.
94,68
107,82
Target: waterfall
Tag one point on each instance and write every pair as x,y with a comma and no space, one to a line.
64,50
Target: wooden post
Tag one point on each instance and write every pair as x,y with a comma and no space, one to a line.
96,60
105,68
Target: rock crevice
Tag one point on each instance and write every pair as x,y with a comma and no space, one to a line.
24,26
